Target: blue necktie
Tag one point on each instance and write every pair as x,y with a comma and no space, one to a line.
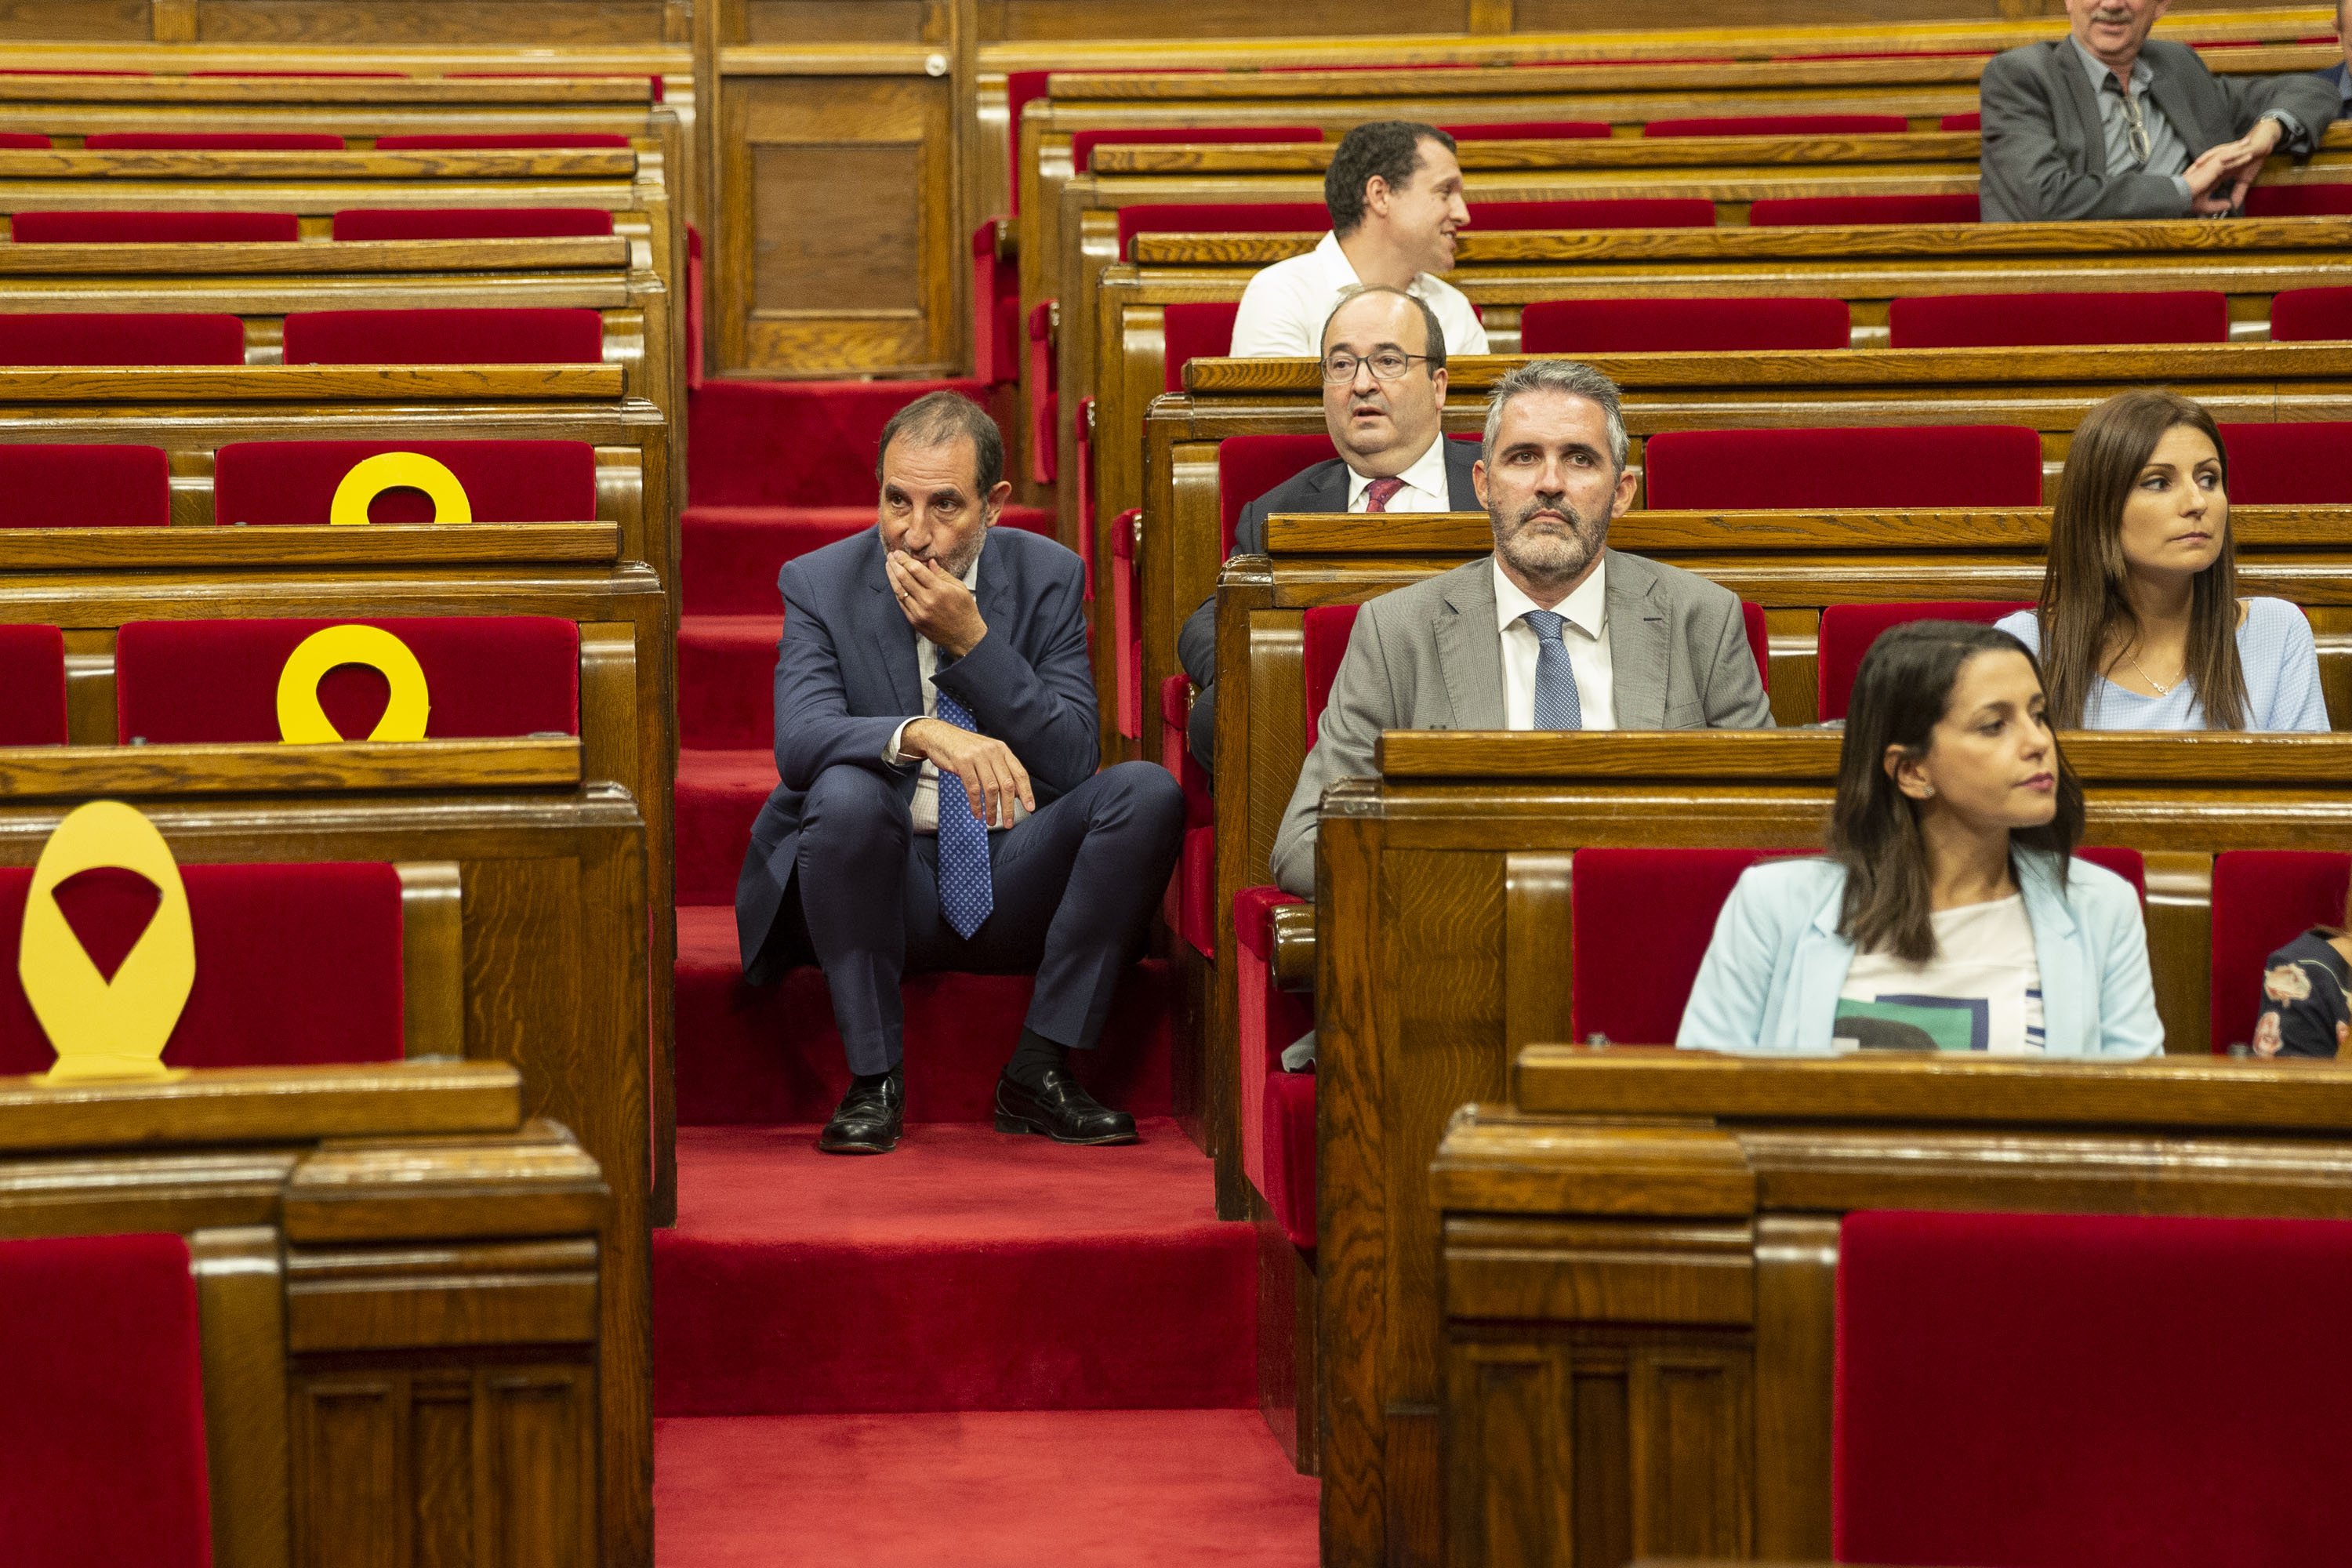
967,887
1558,706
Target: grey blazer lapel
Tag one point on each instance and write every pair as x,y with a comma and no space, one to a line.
893,638
2090,132
2171,95
1640,649
1470,649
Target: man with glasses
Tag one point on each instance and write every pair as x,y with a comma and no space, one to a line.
1553,631
2109,123
1383,403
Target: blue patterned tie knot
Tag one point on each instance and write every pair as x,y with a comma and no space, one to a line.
1558,706
967,884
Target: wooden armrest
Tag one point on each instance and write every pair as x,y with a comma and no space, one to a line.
1293,947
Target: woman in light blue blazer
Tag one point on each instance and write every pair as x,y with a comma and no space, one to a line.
1948,913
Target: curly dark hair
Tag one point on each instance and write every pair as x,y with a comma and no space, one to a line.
1388,149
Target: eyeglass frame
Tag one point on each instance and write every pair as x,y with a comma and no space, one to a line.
1366,360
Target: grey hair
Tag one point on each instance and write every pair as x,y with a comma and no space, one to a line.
1558,375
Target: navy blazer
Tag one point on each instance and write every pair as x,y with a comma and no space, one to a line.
846,678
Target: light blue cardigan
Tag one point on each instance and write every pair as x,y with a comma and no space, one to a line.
1772,974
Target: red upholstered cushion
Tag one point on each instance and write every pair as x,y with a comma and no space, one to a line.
505,481
1253,918
2128,863
2300,201
1639,922
1289,1134
1083,142
1528,130
105,337
1198,329
1021,90
2003,320
1196,899
1621,212
1672,326
512,140
213,140
295,964
1324,643
1759,642
1249,465
32,686
1223,217
1895,465
1971,121
1268,1020
1781,125
2311,315
1848,630
102,1456
1782,212
153,228
1176,754
2091,1390
217,680
1044,398
92,486
23,138
2290,465
470,223
445,337
2263,899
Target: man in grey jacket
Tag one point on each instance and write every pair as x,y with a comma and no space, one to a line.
2109,123
1553,631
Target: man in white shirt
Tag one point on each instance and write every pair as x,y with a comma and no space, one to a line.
1394,192
1385,404
1553,631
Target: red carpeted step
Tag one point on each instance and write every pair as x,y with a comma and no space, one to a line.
1113,1488
795,443
967,1271
718,796
769,1055
727,683
732,553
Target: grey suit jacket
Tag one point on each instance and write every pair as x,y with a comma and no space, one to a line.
1430,656
2045,152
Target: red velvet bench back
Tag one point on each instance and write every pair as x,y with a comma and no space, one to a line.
92,485
471,223
1888,466
2264,899
2311,315
530,336
2291,463
1249,465
1848,630
2007,320
108,337
1201,329
505,481
32,686
1682,326
153,227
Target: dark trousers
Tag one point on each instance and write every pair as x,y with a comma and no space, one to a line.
1075,887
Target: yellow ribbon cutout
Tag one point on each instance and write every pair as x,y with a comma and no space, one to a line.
396,471
102,1028
300,720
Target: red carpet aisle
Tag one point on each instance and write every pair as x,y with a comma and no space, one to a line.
979,1349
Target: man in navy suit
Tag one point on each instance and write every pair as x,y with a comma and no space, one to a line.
940,806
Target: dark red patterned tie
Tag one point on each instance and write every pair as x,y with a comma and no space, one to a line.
1379,492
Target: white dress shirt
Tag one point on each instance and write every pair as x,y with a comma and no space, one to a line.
1284,306
1424,484
926,806
1586,636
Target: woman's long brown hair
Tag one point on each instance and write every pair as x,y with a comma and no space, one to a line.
2084,604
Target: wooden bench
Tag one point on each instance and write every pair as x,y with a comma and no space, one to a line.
1639,1259
395,1272
1443,915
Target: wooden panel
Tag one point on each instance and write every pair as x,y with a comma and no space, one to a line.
1690,1417
1025,21
843,21
536,1464
1511,1468
351,1475
78,21
430,21
819,283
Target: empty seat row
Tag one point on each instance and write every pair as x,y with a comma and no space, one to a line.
315,142
135,228
518,336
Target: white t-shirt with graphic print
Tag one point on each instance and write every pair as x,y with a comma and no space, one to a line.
1981,992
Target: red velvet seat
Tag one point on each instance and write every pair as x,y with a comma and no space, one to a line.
2006,320
996,306
2311,315
1785,212
212,142
32,686
488,676
2092,1390
1529,130
1044,385
470,223
1885,466
530,336
1196,329
97,485
1221,217
2290,464
153,227
2332,200
106,337
23,140
1781,125
1250,465
500,141
505,481
2264,899
295,964
1678,326
1971,121
105,1383
1083,142
1639,922
1613,211
1848,630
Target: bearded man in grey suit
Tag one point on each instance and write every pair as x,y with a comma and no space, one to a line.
1553,631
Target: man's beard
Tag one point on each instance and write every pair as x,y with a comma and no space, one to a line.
955,566
1545,553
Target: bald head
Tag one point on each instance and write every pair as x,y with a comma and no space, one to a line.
1383,423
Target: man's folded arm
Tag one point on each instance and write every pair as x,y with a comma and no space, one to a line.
1044,711
2024,176
814,729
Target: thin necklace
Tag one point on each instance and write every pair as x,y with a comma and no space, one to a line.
2162,689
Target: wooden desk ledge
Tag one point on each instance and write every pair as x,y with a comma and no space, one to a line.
322,383
247,258
298,547
422,1097
81,773
371,1188
1597,153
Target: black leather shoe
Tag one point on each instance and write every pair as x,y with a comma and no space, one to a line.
1058,1108
869,1118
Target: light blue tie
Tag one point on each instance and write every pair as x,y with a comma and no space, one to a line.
1558,706
967,885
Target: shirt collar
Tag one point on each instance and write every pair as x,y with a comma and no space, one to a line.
1427,475
1339,273
2101,75
1587,609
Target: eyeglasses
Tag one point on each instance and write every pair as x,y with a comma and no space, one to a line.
1387,364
